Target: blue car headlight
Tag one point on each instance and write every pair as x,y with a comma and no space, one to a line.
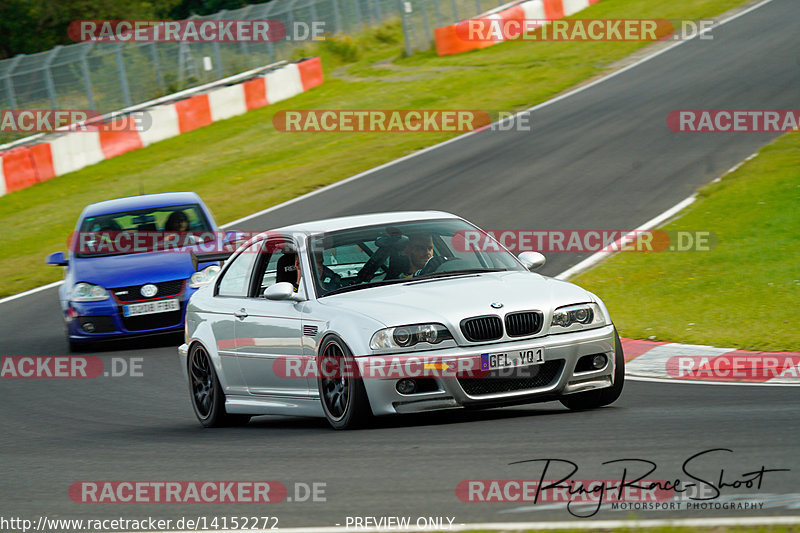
88,292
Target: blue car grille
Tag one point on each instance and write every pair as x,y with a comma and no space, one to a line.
154,321
165,288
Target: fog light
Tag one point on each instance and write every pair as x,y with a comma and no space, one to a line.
599,361
406,386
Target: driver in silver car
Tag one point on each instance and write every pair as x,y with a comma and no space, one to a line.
418,251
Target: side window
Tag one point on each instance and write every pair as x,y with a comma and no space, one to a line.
270,273
276,263
236,279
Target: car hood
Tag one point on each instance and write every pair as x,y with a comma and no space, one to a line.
132,269
450,300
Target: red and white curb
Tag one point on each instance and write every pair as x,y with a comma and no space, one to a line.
61,153
689,362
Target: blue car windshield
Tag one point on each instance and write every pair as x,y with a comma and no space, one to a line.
378,255
142,230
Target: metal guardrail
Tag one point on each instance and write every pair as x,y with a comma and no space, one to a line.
105,76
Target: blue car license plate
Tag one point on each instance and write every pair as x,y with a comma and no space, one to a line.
149,308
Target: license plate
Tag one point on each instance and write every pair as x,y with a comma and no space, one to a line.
512,359
149,308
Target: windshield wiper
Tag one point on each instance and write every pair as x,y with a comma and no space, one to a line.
426,277
456,273
350,288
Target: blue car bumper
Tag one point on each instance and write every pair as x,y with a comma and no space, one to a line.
106,320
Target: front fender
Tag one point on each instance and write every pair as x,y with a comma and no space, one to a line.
203,334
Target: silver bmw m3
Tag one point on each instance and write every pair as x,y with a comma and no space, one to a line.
404,312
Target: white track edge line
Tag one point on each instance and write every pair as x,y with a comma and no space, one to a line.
653,222
31,291
634,377
553,100
435,146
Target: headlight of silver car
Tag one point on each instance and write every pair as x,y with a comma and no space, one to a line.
577,317
203,277
401,337
88,292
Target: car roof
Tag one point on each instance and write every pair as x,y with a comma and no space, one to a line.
357,221
142,201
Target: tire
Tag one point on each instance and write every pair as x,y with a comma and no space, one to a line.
342,393
208,400
601,397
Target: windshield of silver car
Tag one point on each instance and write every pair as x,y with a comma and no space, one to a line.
366,257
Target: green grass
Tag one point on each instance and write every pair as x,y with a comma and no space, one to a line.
743,293
242,165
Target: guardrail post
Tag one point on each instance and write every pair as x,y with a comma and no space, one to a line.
270,45
357,5
48,76
337,17
243,45
12,100
217,55
156,66
123,80
401,4
428,34
87,79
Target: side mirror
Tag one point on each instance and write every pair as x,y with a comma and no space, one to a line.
56,259
233,238
532,260
280,291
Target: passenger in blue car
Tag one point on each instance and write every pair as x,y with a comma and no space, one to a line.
177,221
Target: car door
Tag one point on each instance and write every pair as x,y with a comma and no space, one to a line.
269,333
230,296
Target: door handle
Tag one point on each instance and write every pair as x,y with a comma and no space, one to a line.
241,313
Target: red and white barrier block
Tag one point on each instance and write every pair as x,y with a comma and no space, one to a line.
453,39
62,153
689,362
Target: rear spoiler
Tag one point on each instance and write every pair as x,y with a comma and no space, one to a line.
209,257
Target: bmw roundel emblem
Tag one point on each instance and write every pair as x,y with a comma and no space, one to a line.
149,290
496,305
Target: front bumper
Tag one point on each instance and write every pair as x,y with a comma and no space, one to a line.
558,377
108,323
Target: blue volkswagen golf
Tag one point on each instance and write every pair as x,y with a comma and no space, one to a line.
129,271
